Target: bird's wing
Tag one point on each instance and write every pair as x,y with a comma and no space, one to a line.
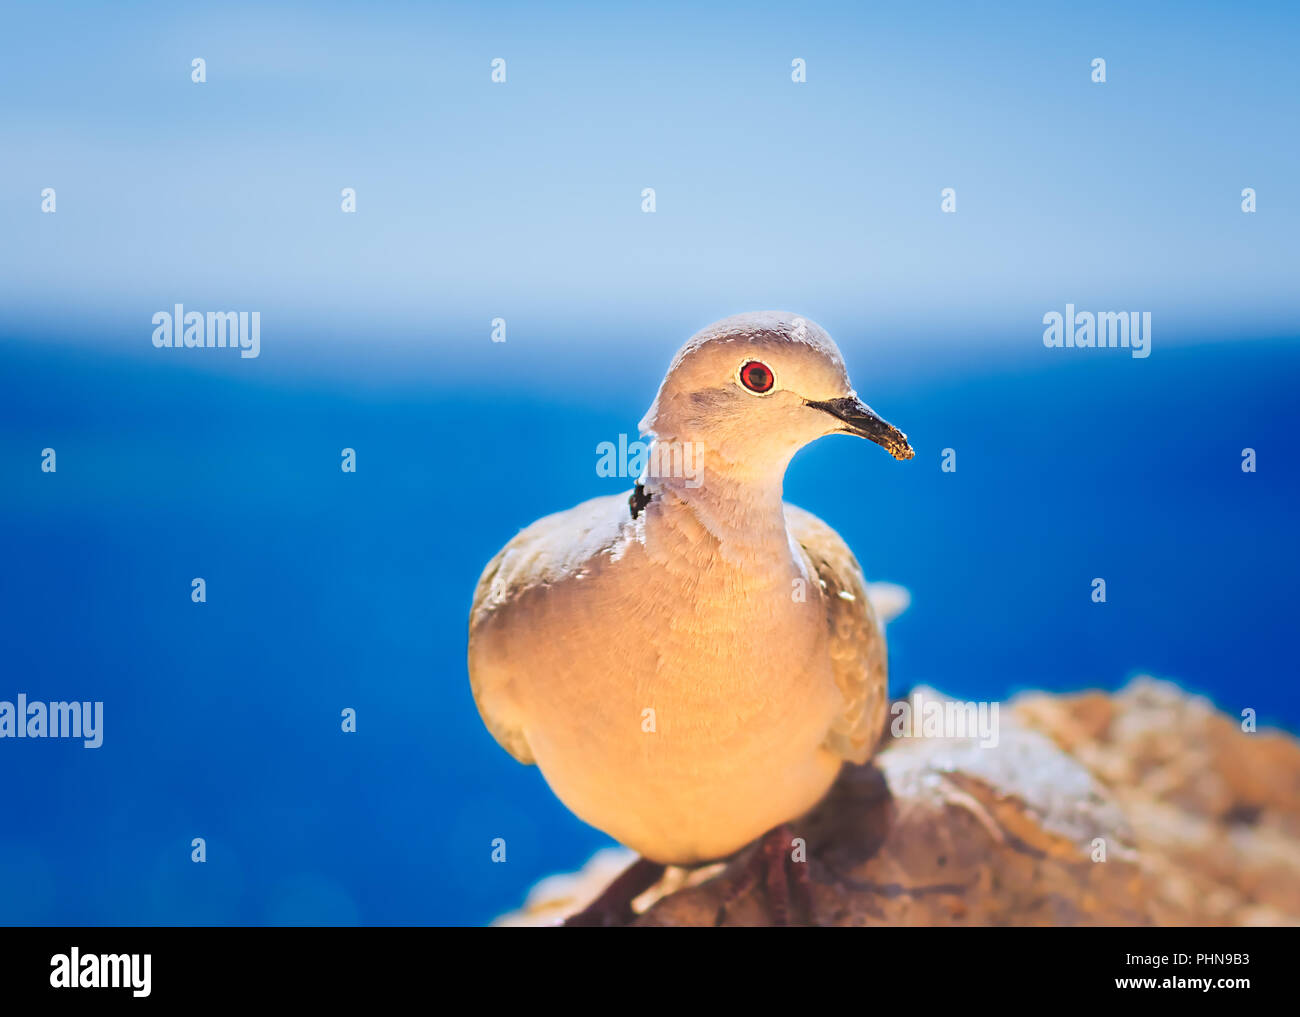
857,641
553,549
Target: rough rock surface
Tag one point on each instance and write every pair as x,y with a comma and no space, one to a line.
1142,807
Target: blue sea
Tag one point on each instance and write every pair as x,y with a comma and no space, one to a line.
329,590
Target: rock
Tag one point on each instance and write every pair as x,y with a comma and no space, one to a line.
1145,807
552,899
1216,811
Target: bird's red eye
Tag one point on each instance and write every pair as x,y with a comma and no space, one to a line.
756,377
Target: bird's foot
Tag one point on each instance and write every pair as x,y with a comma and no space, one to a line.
774,864
614,905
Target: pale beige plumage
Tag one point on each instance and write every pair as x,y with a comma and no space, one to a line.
856,638
691,674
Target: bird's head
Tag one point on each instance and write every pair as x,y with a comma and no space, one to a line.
754,388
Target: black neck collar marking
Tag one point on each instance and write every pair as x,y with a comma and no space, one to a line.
639,500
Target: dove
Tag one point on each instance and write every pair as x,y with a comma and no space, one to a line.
691,663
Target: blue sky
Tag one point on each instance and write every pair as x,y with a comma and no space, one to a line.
522,200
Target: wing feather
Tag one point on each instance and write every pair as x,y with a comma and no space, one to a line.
551,550
857,640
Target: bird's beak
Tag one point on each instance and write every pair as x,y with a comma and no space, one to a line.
860,419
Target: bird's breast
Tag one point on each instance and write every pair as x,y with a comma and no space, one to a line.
679,704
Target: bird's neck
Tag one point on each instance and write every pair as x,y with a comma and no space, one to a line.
740,508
